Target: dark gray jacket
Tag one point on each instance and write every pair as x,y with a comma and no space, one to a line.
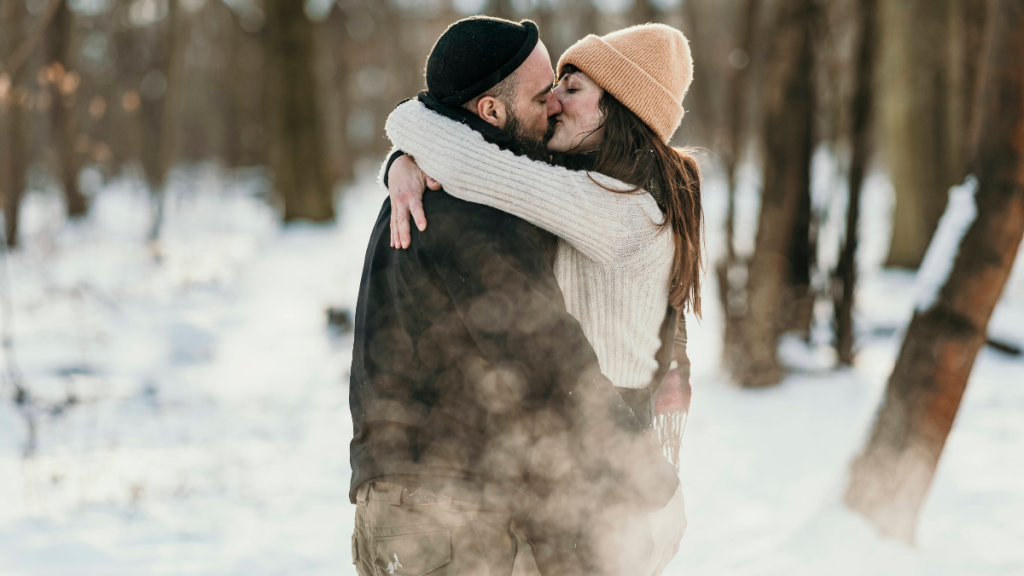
471,378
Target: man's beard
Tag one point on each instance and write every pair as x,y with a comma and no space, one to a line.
532,146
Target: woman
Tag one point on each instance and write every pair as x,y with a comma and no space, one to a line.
626,206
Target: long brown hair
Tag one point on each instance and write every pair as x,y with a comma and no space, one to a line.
632,153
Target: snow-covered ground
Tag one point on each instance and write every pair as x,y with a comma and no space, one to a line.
209,428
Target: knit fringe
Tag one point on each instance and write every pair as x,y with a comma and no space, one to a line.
671,411
670,428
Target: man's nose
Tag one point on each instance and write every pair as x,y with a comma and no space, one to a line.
554,106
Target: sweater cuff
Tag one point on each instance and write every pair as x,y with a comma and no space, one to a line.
387,167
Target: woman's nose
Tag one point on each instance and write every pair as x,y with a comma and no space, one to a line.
554,106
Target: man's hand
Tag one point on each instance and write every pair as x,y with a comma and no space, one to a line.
406,184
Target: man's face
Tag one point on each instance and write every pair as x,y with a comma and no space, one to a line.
528,117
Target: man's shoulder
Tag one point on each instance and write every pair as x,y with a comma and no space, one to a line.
444,204
454,214
462,225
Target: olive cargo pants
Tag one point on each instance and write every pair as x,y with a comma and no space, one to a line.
412,532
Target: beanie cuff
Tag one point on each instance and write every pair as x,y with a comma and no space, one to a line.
627,82
492,79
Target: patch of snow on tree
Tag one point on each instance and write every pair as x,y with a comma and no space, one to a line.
938,261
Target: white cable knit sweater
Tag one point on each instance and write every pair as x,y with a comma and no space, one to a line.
614,259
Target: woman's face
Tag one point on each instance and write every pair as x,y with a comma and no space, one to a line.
578,127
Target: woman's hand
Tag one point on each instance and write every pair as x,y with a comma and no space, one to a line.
667,527
644,544
406,185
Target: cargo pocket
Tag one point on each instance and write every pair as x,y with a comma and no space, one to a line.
412,554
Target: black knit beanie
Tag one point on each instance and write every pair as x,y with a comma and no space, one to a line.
476,53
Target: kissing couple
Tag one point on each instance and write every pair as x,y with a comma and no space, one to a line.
509,348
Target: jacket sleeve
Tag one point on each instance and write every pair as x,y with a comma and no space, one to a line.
582,208
589,450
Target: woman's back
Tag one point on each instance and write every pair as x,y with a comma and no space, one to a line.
621,304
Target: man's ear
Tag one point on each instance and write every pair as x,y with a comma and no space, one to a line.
492,111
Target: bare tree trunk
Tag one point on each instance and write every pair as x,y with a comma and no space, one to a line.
798,300
890,479
930,54
589,17
248,93
788,141
172,107
642,12
914,36
64,124
297,151
233,123
14,145
738,103
732,290
62,115
337,97
699,104
967,20
846,269
544,16
162,117
501,9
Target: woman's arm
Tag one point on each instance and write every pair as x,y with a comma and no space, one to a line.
567,203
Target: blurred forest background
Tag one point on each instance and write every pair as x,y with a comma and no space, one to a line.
296,93
91,88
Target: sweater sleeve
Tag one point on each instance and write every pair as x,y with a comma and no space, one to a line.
385,167
564,202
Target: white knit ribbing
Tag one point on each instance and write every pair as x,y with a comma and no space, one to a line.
614,259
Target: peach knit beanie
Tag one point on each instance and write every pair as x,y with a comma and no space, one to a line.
648,68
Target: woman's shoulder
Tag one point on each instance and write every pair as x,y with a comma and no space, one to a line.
636,208
639,230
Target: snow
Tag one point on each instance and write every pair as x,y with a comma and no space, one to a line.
211,426
938,260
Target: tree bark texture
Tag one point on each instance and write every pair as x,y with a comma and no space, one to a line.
967,20
788,141
544,16
701,114
916,126
501,9
890,479
298,156
642,12
798,301
929,57
173,102
739,95
233,123
733,296
337,98
64,123
14,144
162,117
846,269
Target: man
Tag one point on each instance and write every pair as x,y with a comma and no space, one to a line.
483,429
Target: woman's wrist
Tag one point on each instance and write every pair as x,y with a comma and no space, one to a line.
391,160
